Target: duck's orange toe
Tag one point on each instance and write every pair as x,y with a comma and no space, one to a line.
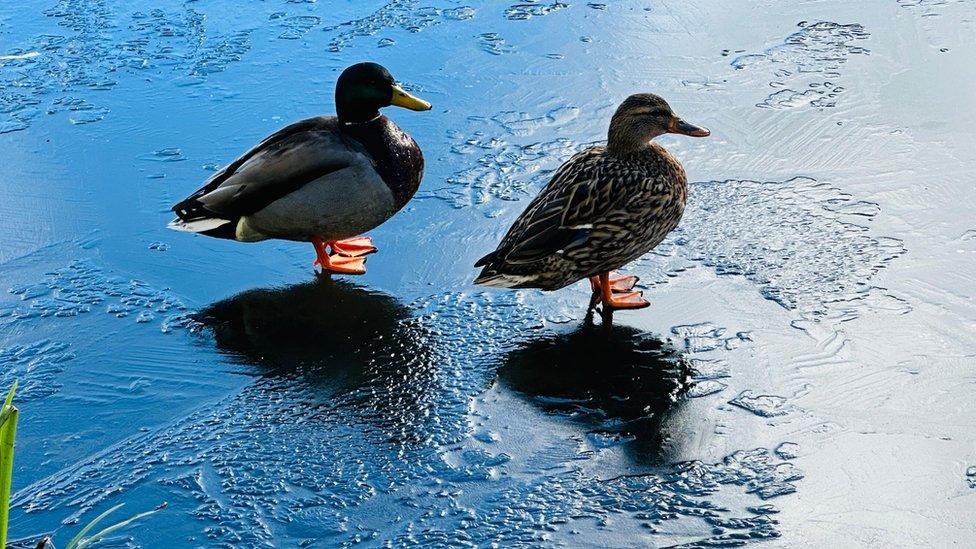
626,300
354,247
620,284
345,265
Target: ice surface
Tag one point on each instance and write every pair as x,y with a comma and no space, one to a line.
272,408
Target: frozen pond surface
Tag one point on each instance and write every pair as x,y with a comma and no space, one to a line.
804,376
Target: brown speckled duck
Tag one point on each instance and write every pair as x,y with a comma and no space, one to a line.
323,180
605,207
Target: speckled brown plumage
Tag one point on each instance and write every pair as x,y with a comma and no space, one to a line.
603,208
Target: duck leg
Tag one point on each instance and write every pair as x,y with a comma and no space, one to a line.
339,264
597,294
353,247
620,297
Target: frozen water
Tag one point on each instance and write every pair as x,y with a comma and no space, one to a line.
271,408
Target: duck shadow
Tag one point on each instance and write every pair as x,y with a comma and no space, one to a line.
333,344
618,383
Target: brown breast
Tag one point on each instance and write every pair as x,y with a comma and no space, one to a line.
395,155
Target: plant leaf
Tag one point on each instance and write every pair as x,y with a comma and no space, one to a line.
8,433
117,526
8,404
10,394
76,541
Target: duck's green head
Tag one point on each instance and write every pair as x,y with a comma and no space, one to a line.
365,88
641,118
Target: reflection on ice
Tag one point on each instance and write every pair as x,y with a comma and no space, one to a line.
614,379
334,339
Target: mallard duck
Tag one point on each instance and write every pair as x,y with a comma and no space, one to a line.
605,207
324,180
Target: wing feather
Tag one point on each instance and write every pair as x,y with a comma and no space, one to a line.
561,216
280,164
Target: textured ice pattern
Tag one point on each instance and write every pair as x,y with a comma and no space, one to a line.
807,65
802,240
407,15
63,72
392,415
82,287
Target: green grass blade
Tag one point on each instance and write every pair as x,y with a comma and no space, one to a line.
8,404
75,541
8,433
10,395
115,527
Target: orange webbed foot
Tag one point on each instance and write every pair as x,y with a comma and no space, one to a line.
627,300
344,265
619,284
616,293
354,247
338,264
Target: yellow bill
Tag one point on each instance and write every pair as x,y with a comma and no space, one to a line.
407,101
